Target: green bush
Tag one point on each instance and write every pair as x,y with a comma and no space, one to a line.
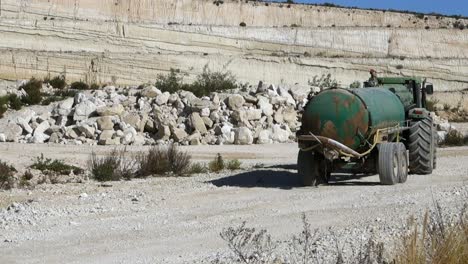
79,86
234,165
6,175
172,82
95,86
3,105
33,91
208,82
49,166
15,102
217,164
242,24
58,82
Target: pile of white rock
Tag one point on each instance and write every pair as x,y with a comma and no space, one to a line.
112,116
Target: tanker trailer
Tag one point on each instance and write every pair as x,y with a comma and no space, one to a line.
385,129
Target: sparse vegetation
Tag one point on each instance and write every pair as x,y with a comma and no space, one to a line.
172,82
49,166
234,164
79,86
33,92
6,175
399,67
207,82
197,168
430,103
355,84
438,239
324,81
455,138
217,164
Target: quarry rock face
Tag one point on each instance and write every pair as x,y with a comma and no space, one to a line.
291,45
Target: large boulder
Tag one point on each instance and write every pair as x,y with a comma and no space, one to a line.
279,134
243,136
65,107
198,123
151,92
290,116
197,104
115,110
164,132
86,131
265,106
42,127
105,123
38,138
162,98
132,119
264,137
84,110
12,132
235,101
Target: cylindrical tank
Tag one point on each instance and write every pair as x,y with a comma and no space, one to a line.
350,116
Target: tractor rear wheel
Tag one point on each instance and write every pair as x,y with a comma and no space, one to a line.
312,168
421,146
389,163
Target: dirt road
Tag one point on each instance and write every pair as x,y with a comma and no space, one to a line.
178,220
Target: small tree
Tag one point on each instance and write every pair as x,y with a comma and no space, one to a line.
171,82
33,92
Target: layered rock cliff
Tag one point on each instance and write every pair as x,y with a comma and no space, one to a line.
131,41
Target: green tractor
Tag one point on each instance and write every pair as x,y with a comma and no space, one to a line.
385,129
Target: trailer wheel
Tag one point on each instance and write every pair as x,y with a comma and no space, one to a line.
389,163
421,146
312,168
403,163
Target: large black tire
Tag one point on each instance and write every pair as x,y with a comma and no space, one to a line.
402,163
421,146
389,163
312,168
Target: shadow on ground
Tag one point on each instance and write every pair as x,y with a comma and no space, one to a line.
283,177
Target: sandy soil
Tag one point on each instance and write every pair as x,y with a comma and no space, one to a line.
178,220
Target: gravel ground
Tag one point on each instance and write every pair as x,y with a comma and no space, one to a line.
178,220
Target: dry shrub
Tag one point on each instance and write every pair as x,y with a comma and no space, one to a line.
115,166
6,175
33,92
58,82
436,240
234,164
198,168
162,160
455,138
217,164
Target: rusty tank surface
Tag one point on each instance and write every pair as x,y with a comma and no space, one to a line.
384,129
350,116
